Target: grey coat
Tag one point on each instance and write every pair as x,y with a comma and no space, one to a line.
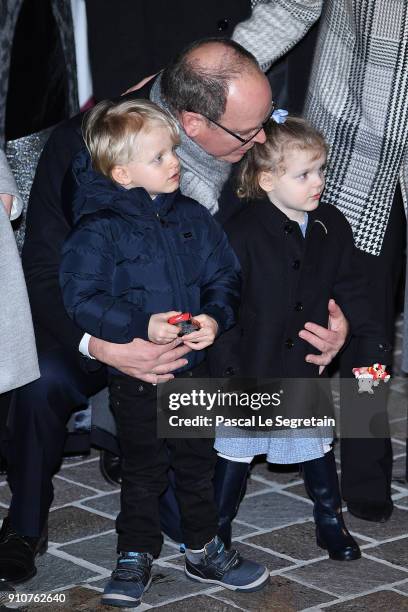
18,356
357,96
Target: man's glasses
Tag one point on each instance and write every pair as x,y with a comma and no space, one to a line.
243,141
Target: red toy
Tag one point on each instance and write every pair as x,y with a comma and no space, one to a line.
185,322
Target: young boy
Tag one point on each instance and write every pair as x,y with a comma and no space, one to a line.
139,253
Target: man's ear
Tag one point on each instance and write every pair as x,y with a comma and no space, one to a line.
266,180
120,175
192,123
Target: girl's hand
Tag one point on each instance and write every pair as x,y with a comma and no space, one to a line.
161,332
204,336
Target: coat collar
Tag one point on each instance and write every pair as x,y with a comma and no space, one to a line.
277,221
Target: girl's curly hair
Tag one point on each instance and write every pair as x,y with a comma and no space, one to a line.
295,133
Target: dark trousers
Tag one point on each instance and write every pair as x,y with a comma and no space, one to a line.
5,403
366,463
145,464
37,423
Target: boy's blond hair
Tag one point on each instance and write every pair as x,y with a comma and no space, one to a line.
111,129
294,133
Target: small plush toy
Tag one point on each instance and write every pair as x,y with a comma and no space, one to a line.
370,377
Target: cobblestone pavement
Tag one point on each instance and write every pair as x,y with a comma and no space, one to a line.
274,526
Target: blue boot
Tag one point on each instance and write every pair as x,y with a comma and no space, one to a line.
322,485
230,480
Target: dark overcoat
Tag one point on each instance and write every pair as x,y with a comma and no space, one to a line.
287,281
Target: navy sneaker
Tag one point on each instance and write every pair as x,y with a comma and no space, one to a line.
216,565
129,580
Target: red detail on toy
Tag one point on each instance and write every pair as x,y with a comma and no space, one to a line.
185,322
184,316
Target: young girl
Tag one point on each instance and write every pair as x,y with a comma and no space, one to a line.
295,256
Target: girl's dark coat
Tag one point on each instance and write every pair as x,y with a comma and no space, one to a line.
287,281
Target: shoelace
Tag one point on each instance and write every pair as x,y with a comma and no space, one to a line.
137,566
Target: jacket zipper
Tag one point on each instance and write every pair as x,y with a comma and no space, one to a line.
176,286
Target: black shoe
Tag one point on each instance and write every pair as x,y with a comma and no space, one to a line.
17,554
322,485
110,467
230,478
376,512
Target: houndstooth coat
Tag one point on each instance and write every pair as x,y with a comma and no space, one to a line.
357,96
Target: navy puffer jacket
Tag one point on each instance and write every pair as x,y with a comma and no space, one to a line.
129,257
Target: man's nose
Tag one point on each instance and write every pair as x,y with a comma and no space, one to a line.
260,137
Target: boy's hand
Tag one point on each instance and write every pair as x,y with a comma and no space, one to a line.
161,332
204,336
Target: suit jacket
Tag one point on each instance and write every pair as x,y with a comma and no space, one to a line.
18,356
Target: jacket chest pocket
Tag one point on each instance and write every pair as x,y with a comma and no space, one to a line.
189,252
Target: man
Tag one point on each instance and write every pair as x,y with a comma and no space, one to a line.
221,99
358,98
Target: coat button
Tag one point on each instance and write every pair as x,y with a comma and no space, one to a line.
140,388
296,264
222,25
298,306
289,343
288,228
229,371
189,373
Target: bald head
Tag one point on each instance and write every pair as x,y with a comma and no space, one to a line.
221,57
200,77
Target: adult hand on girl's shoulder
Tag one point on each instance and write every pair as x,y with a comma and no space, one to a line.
327,340
203,337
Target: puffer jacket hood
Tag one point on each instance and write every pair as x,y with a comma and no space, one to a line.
94,192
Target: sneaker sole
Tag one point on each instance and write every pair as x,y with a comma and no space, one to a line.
120,600
257,585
